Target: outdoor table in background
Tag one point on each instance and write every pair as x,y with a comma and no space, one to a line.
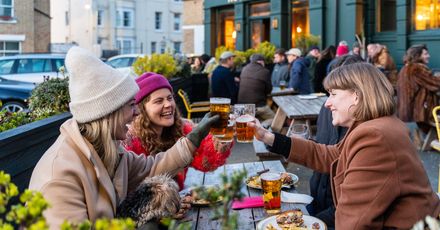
294,107
276,91
247,218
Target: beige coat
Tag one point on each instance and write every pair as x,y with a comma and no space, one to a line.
74,181
378,179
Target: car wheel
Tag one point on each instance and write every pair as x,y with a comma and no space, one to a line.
13,106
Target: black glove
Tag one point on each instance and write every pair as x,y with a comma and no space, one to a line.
202,129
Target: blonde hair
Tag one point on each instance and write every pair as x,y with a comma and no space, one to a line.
100,133
143,128
374,90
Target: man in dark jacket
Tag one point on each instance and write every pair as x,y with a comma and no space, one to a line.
222,81
281,69
255,85
299,75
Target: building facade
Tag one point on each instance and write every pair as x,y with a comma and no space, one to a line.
119,26
398,24
24,26
193,27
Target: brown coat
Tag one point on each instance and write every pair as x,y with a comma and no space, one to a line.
416,93
74,180
378,180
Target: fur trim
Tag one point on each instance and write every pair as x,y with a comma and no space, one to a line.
156,197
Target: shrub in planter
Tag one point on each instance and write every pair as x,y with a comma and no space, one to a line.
10,120
266,49
304,42
159,63
49,98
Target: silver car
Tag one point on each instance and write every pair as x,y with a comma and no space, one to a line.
32,68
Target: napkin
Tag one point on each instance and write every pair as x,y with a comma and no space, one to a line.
248,202
288,197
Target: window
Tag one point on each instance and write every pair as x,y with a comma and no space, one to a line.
99,18
427,14
177,47
385,15
176,22
58,63
163,45
34,65
225,29
158,21
6,9
66,18
125,46
124,18
300,19
260,9
153,47
6,66
9,48
120,62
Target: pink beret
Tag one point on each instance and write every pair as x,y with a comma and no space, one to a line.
341,50
148,83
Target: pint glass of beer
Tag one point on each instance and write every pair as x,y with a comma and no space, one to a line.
220,106
282,85
271,185
245,134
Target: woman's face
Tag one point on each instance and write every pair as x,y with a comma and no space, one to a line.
129,112
161,108
341,103
425,56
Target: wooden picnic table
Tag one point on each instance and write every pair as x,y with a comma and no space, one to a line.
296,108
248,218
276,91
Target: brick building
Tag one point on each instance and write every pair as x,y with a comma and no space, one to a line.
24,26
193,28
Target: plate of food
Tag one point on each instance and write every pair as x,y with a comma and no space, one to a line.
195,194
288,179
319,94
293,219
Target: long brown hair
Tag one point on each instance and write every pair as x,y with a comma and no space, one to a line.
151,142
414,54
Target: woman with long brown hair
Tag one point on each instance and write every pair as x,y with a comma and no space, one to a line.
417,88
159,126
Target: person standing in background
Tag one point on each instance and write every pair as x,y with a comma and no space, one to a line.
281,69
310,60
223,79
321,68
299,76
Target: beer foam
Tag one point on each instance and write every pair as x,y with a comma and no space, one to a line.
245,119
219,100
270,176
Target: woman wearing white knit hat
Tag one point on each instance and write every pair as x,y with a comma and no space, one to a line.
85,174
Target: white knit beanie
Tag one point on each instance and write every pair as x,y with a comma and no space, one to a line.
95,88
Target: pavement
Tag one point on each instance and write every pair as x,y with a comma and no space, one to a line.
244,152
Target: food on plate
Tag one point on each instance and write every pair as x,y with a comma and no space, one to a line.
255,181
292,220
194,195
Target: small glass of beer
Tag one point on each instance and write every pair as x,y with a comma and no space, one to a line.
271,184
222,107
282,85
245,134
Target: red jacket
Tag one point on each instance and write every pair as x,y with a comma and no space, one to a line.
205,153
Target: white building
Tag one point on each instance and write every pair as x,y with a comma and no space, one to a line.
126,26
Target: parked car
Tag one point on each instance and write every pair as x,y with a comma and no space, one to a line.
31,68
14,94
124,62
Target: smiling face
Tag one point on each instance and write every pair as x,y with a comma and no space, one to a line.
128,113
160,109
339,102
425,56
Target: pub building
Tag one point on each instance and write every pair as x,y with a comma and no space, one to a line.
398,24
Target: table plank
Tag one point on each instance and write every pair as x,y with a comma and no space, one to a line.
206,214
298,108
193,178
245,216
252,168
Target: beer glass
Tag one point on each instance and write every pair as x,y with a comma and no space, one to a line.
300,130
282,85
244,113
220,106
271,185
230,129
245,134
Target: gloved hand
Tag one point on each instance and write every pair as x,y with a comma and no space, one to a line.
202,129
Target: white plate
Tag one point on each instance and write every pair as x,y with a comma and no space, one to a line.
319,94
307,97
308,221
295,180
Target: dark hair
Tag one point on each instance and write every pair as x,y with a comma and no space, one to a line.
280,51
346,60
414,54
205,58
328,53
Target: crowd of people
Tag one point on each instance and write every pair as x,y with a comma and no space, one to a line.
126,134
